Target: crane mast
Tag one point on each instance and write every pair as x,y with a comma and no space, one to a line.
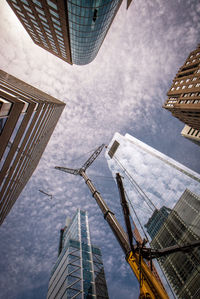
150,287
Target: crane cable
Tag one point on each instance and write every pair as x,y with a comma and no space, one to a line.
131,180
136,217
136,186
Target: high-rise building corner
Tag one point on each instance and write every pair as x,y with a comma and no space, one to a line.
28,117
78,272
73,30
184,94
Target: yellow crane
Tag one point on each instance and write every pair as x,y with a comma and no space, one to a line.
150,287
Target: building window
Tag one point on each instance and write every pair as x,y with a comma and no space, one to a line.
42,18
198,84
178,88
172,88
37,2
193,94
194,79
190,86
196,101
183,87
25,2
27,8
176,82
45,24
17,7
30,15
40,11
54,13
181,81
58,32
57,27
187,80
55,21
20,13
34,22
53,5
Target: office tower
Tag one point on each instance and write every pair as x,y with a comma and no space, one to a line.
28,117
184,95
78,272
150,264
151,179
156,221
180,227
191,134
72,30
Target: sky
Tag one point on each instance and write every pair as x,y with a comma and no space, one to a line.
123,91
162,179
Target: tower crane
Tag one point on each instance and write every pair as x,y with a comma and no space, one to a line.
150,287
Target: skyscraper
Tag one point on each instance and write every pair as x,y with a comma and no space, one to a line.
184,95
78,272
180,227
156,221
151,179
191,134
72,30
28,117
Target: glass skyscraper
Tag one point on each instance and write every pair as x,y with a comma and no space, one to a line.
73,30
151,179
78,272
180,227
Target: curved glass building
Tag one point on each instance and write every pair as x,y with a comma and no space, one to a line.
88,25
73,30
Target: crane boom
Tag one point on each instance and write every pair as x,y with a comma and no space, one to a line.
150,287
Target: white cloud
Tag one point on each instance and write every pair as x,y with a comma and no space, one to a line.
121,88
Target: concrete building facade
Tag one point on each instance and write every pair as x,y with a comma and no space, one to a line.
78,272
28,117
184,94
191,134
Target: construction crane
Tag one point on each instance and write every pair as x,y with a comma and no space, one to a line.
150,287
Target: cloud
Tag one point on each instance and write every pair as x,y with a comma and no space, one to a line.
161,183
124,87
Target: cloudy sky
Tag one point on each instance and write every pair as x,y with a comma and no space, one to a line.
161,178
122,90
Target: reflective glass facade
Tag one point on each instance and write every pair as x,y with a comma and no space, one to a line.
89,22
161,178
78,272
28,117
152,181
73,30
181,227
